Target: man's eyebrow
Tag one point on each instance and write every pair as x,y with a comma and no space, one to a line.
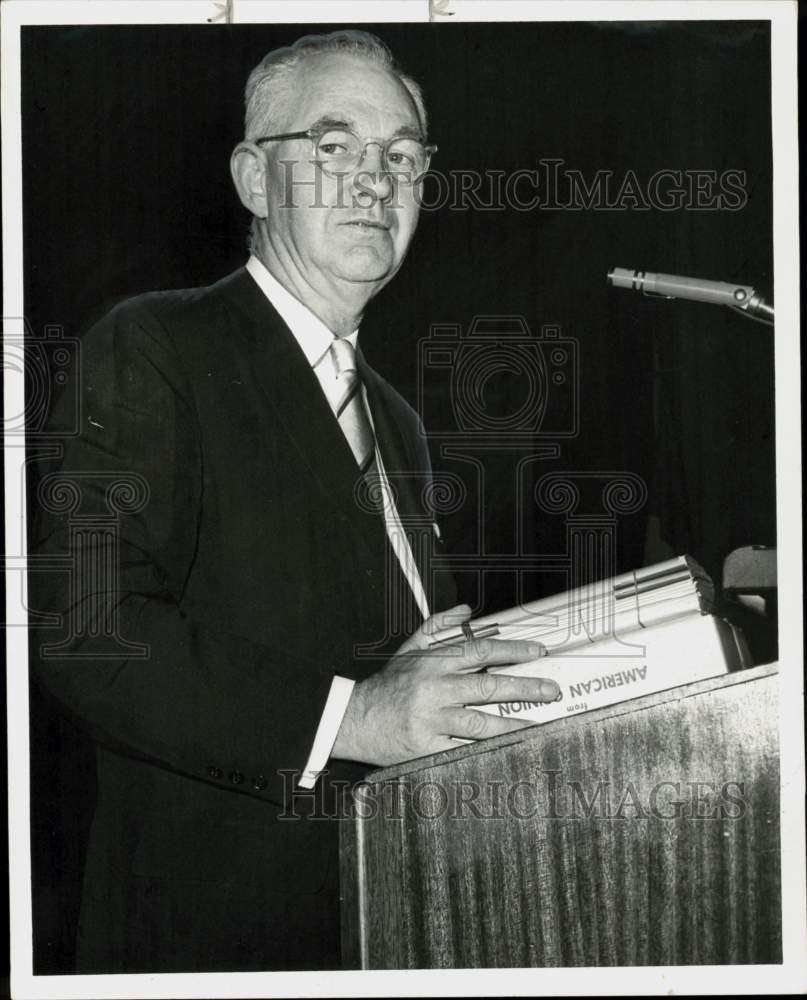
408,132
333,121
343,121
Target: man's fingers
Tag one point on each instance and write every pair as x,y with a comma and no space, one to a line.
482,689
495,652
445,619
468,724
443,743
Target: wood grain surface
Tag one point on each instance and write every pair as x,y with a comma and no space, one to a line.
642,834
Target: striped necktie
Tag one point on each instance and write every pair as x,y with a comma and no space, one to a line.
350,410
403,611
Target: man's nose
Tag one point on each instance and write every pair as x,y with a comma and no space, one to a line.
371,175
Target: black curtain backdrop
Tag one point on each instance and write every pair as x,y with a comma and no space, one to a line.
127,133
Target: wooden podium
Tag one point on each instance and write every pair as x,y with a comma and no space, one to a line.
642,834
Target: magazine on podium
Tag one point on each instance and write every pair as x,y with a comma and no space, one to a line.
620,638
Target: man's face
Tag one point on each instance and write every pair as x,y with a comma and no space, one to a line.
354,229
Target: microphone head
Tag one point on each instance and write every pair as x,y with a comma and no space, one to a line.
622,277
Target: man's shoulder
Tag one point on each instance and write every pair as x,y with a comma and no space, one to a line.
176,307
182,323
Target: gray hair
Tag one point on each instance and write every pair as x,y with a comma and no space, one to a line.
268,83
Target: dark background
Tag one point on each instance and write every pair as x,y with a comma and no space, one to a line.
127,133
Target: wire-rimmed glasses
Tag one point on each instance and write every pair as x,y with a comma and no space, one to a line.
339,152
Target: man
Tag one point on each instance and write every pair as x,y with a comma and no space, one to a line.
252,568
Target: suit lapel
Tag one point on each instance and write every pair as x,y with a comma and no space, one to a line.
399,464
408,478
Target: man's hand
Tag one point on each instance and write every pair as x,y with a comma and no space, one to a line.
417,702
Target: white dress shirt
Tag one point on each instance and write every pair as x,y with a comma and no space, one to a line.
315,339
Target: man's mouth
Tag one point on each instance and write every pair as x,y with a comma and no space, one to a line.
365,224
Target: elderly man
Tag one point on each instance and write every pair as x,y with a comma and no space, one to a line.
255,572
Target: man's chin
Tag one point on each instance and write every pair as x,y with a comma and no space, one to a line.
366,265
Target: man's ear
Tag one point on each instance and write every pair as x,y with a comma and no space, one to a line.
248,169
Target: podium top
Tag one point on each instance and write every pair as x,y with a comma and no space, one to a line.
573,724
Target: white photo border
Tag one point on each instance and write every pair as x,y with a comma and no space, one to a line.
791,976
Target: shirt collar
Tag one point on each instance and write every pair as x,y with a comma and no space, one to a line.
308,330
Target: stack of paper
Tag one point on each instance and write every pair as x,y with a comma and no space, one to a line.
631,635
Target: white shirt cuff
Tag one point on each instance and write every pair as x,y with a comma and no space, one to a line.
329,723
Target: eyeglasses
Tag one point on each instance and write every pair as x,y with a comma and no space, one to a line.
339,151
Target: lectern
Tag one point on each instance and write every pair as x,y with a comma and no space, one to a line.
642,834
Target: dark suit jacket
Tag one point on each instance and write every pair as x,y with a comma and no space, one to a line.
252,574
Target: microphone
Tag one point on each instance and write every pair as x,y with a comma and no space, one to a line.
741,298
